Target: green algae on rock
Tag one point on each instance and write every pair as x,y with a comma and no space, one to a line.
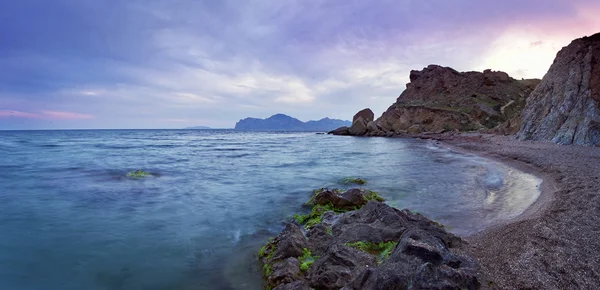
352,240
138,174
353,180
381,250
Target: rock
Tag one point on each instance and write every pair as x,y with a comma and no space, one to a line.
283,272
372,247
366,114
441,98
298,285
349,199
372,127
338,266
290,243
423,262
340,131
359,127
415,129
565,107
319,239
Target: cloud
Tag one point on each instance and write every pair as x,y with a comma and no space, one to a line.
138,64
44,115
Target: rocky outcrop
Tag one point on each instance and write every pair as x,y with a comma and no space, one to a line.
352,240
440,98
360,123
565,107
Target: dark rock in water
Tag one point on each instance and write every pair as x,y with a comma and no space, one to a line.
320,239
286,271
374,246
366,114
297,285
340,131
349,199
565,107
290,243
338,266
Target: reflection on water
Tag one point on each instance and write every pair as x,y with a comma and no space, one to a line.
69,220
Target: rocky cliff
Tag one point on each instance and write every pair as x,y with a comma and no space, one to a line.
441,98
564,108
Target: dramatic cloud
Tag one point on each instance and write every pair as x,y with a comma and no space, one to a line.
44,115
179,63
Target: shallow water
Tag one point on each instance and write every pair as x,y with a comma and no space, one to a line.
69,219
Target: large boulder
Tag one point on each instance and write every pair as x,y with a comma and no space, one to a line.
565,107
359,127
366,114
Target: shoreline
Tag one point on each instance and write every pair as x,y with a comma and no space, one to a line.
554,243
547,188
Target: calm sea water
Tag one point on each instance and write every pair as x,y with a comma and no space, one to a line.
69,219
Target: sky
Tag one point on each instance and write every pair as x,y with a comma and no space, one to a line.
104,64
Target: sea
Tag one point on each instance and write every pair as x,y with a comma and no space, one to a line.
71,219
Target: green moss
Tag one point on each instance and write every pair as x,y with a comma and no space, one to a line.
353,180
138,174
381,250
306,259
372,195
266,269
438,224
267,250
300,218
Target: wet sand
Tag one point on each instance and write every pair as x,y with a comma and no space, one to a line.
555,243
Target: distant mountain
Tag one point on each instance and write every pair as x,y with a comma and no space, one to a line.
199,128
281,122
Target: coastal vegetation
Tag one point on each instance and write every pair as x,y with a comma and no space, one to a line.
306,259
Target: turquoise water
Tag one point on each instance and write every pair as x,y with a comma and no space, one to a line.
69,219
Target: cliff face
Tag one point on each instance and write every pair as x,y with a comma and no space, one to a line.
564,108
440,98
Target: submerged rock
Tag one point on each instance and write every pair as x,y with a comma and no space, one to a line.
359,242
565,107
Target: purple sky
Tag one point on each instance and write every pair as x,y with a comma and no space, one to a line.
180,63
